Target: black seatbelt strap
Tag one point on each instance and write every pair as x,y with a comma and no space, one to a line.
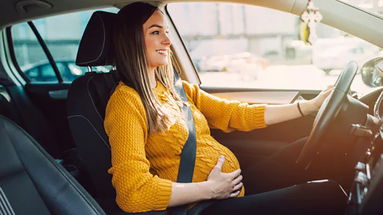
186,168
188,154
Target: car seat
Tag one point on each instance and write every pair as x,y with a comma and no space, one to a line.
31,182
87,100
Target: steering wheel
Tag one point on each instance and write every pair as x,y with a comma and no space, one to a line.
327,113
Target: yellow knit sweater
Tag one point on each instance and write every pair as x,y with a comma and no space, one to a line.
144,165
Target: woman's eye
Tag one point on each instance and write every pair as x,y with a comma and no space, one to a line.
155,32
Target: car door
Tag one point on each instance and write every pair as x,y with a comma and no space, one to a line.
255,54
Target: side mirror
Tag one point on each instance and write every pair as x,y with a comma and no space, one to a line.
372,72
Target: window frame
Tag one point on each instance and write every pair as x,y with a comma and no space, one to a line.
48,54
181,55
43,45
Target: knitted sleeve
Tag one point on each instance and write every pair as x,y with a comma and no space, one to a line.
224,114
125,123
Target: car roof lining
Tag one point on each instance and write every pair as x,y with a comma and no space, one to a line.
9,14
341,17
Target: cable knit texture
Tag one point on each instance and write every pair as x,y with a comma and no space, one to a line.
145,165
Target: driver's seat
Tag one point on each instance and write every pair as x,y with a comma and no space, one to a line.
87,100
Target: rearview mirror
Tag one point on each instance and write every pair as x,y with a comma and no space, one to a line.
372,72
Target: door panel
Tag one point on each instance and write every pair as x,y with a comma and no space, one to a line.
51,99
33,119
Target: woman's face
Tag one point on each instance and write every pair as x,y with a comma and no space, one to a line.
157,41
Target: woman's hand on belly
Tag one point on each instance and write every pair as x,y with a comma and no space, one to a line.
224,185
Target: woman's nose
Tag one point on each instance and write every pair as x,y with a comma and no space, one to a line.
166,40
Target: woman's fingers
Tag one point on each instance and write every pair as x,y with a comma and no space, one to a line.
318,100
220,162
238,186
237,179
235,193
234,174
328,90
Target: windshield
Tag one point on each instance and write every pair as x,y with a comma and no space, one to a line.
372,6
235,48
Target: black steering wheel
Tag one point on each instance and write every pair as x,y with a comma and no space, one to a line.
327,113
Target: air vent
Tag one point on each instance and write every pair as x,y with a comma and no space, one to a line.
27,6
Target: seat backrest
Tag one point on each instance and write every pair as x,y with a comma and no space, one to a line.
31,182
6,106
87,99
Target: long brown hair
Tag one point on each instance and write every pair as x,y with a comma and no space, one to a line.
131,63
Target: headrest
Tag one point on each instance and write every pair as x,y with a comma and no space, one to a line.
95,45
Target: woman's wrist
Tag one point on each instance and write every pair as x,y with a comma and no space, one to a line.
185,193
206,190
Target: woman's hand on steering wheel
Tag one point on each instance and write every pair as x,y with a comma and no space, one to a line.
314,104
224,185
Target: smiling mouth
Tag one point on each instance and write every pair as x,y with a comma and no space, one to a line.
162,52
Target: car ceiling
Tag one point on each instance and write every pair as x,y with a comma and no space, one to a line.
12,11
335,13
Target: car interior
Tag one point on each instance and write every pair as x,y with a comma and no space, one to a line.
54,152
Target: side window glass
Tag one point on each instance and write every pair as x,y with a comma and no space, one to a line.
33,74
29,54
47,73
249,46
62,35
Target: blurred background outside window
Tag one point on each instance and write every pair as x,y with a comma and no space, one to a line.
237,45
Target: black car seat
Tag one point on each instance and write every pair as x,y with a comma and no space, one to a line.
31,182
87,100
15,104
6,106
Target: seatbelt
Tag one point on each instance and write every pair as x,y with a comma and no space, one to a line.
188,154
186,168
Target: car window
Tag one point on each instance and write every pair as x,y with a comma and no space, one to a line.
62,35
33,74
28,52
249,46
46,72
